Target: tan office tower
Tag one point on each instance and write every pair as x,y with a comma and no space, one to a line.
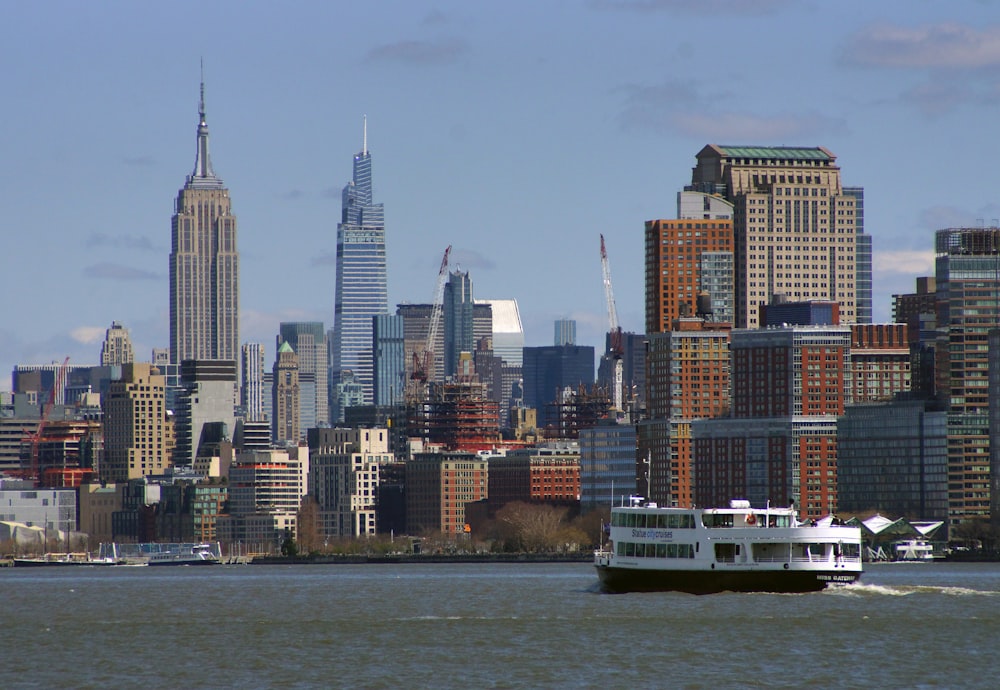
204,264
117,346
285,426
135,426
794,227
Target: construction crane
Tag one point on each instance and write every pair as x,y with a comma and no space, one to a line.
35,438
617,349
423,362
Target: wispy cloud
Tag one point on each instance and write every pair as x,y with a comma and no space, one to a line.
904,261
751,127
711,7
111,271
292,195
87,335
138,242
468,259
441,52
435,18
945,45
941,217
677,106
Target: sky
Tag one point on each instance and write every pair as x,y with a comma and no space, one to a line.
517,132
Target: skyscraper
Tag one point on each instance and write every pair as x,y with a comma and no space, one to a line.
204,264
793,225
457,313
252,382
968,305
285,426
117,346
308,339
361,288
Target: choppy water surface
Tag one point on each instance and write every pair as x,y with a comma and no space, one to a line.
496,625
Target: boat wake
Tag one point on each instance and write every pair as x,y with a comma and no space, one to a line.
860,589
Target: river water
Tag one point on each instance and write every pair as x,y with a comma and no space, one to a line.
487,626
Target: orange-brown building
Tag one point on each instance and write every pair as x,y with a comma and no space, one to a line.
438,486
549,473
684,259
880,361
688,378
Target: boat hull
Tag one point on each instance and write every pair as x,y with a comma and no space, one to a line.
622,580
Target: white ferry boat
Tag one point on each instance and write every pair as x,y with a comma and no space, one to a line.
209,553
739,549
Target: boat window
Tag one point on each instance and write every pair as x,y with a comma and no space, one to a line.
629,549
725,553
717,520
685,551
661,550
851,550
640,520
651,550
671,550
621,548
663,520
673,521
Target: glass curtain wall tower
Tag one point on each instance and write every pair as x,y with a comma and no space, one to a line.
204,264
361,289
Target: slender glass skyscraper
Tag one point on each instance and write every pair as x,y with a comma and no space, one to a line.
204,264
362,291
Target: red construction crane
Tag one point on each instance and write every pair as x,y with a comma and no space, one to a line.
615,331
423,362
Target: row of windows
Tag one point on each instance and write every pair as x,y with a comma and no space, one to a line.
662,520
656,550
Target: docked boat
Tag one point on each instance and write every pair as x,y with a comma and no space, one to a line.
188,554
208,553
53,559
919,550
739,549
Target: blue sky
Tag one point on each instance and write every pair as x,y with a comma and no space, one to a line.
517,132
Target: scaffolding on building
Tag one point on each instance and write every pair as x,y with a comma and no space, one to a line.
578,409
456,415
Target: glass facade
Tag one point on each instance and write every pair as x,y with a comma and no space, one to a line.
607,465
361,285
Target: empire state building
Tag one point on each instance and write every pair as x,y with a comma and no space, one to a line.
204,264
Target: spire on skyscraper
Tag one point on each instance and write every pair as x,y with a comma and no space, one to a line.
364,140
203,172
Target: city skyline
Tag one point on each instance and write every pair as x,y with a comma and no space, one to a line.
518,158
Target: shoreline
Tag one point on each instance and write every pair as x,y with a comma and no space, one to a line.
372,559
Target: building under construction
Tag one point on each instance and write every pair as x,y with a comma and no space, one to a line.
457,416
579,409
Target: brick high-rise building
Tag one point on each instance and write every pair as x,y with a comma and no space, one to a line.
438,486
688,379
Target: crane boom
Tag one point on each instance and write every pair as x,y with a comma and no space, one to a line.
615,331
424,361
609,294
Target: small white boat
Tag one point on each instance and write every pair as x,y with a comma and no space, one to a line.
740,549
914,550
